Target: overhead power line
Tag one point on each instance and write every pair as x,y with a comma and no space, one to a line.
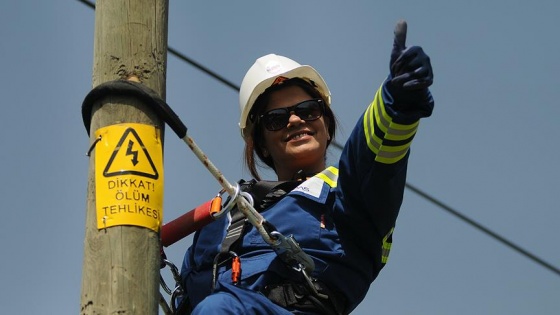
484,229
414,189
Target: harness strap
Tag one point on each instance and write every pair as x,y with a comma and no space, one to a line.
233,235
234,231
267,193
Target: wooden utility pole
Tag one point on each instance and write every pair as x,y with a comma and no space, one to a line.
121,263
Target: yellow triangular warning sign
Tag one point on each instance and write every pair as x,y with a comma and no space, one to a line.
130,157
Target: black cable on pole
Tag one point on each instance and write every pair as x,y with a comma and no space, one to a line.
202,68
89,4
414,189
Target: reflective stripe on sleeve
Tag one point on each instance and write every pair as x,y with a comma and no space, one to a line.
388,140
386,246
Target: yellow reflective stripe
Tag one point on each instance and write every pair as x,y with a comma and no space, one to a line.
393,131
369,129
377,116
382,119
386,247
391,154
329,176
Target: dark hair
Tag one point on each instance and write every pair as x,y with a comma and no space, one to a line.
255,141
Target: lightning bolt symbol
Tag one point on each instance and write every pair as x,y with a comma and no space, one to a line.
133,153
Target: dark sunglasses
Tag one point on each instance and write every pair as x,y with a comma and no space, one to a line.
277,119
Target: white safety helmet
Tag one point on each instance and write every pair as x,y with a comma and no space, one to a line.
262,75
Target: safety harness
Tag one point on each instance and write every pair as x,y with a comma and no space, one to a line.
308,294
263,194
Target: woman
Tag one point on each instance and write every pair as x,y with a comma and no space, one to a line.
342,217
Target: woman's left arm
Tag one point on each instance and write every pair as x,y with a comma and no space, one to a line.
373,165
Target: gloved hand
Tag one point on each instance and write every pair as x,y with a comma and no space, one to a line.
410,76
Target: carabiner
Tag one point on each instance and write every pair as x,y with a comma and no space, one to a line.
291,253
217,210
225,208
235,267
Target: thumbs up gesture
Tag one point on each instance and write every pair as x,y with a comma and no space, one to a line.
410,76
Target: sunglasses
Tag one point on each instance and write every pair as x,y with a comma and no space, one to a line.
277,119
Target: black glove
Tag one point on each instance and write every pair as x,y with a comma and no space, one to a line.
411,75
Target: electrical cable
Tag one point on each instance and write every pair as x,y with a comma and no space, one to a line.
414,189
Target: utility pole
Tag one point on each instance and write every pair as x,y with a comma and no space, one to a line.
121,257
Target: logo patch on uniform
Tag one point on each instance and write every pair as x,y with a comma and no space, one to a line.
312,187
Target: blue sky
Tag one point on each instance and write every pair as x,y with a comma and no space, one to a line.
489,150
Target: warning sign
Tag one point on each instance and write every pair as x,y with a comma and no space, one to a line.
129,176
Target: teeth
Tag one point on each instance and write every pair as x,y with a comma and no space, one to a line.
299,135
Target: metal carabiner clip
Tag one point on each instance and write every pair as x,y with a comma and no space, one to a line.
231,201
224,208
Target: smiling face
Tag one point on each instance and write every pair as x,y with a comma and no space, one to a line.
301,145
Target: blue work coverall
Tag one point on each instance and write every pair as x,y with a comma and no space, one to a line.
343,218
